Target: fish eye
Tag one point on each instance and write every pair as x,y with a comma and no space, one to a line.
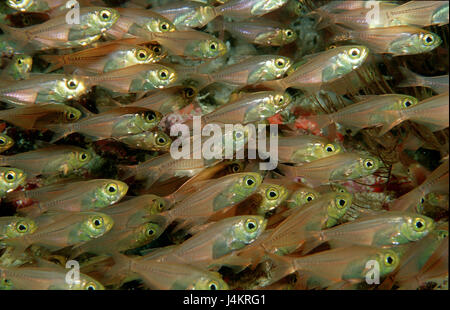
10,176
280,62
428,39
272,193
341,203
251,225
161,140
369,164
289,33
105,15
72,84
91,286
330,148
19,61
150,232
150,116
213,46
279,100
354,52
310,197
97,222
389,259
156,49
141,54
163,74
189,92
2,141
332,46
112,188
419,224
212,286
235,168
249,181
164,26
443,234
70,116
407,103
22,227
83,156
160,206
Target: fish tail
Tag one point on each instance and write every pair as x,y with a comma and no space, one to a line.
60,131
288,171
394,120
120,270
281,267
411,79
55,61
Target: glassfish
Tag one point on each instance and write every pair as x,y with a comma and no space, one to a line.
437,83
15,226
187,14
6,142
10,179
50,160
243,9
149,140
18,68
343,166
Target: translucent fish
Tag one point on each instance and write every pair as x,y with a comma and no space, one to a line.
343,166
262,32
136,211
6,142
18,68
400,40
322,68
305,148
40,88
243,9
30,117
420,13
74,196
14,226
49,161
437,83
57,33
301,197
10,179
250,108
136,78
250,71
437,181
333,266
117,122
106,57
44,278
272,196
132,20
149,140
382,229
431,112
34,5
167,100
215,242
369,112
169,276
68,229
187,14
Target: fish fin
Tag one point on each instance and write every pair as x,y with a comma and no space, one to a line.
55,61
340,33
411,79
389,125
274,85
325,19
60,131
281,267
320,120
19,34
32,211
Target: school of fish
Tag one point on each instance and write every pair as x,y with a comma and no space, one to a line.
355,94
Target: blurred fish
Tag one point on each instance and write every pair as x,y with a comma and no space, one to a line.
51,160
420,13
44,278
301,197
243,9
187,14
168,276
437,83
10,179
